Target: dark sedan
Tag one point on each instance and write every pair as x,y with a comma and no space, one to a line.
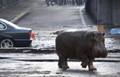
12,35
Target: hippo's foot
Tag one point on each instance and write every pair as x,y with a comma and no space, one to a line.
65,67
84,64
60,66
91,68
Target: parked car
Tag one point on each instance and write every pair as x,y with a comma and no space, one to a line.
12,35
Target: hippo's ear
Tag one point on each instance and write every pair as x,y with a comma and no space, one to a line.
103,34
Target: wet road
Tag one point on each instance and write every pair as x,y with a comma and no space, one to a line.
51,18
10,68
38,65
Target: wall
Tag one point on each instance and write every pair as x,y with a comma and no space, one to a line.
104,12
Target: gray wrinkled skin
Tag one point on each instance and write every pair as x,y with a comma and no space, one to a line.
82,45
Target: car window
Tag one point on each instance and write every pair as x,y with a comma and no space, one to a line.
2,26
10,23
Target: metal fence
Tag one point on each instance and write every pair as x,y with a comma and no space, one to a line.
6,4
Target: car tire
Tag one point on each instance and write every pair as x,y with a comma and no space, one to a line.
6,43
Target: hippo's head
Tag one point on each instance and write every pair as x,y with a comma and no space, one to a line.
99,49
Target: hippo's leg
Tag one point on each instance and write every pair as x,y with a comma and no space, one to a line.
85,60
63,63
90,65
60,63
85,63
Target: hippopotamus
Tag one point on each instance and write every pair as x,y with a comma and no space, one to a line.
81,45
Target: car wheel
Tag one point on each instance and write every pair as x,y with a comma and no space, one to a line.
6,43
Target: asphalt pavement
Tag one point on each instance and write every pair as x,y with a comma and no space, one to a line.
11,68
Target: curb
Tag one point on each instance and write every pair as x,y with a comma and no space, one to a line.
18,17
25,50
56,60
29,50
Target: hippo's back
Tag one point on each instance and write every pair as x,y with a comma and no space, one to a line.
67,42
